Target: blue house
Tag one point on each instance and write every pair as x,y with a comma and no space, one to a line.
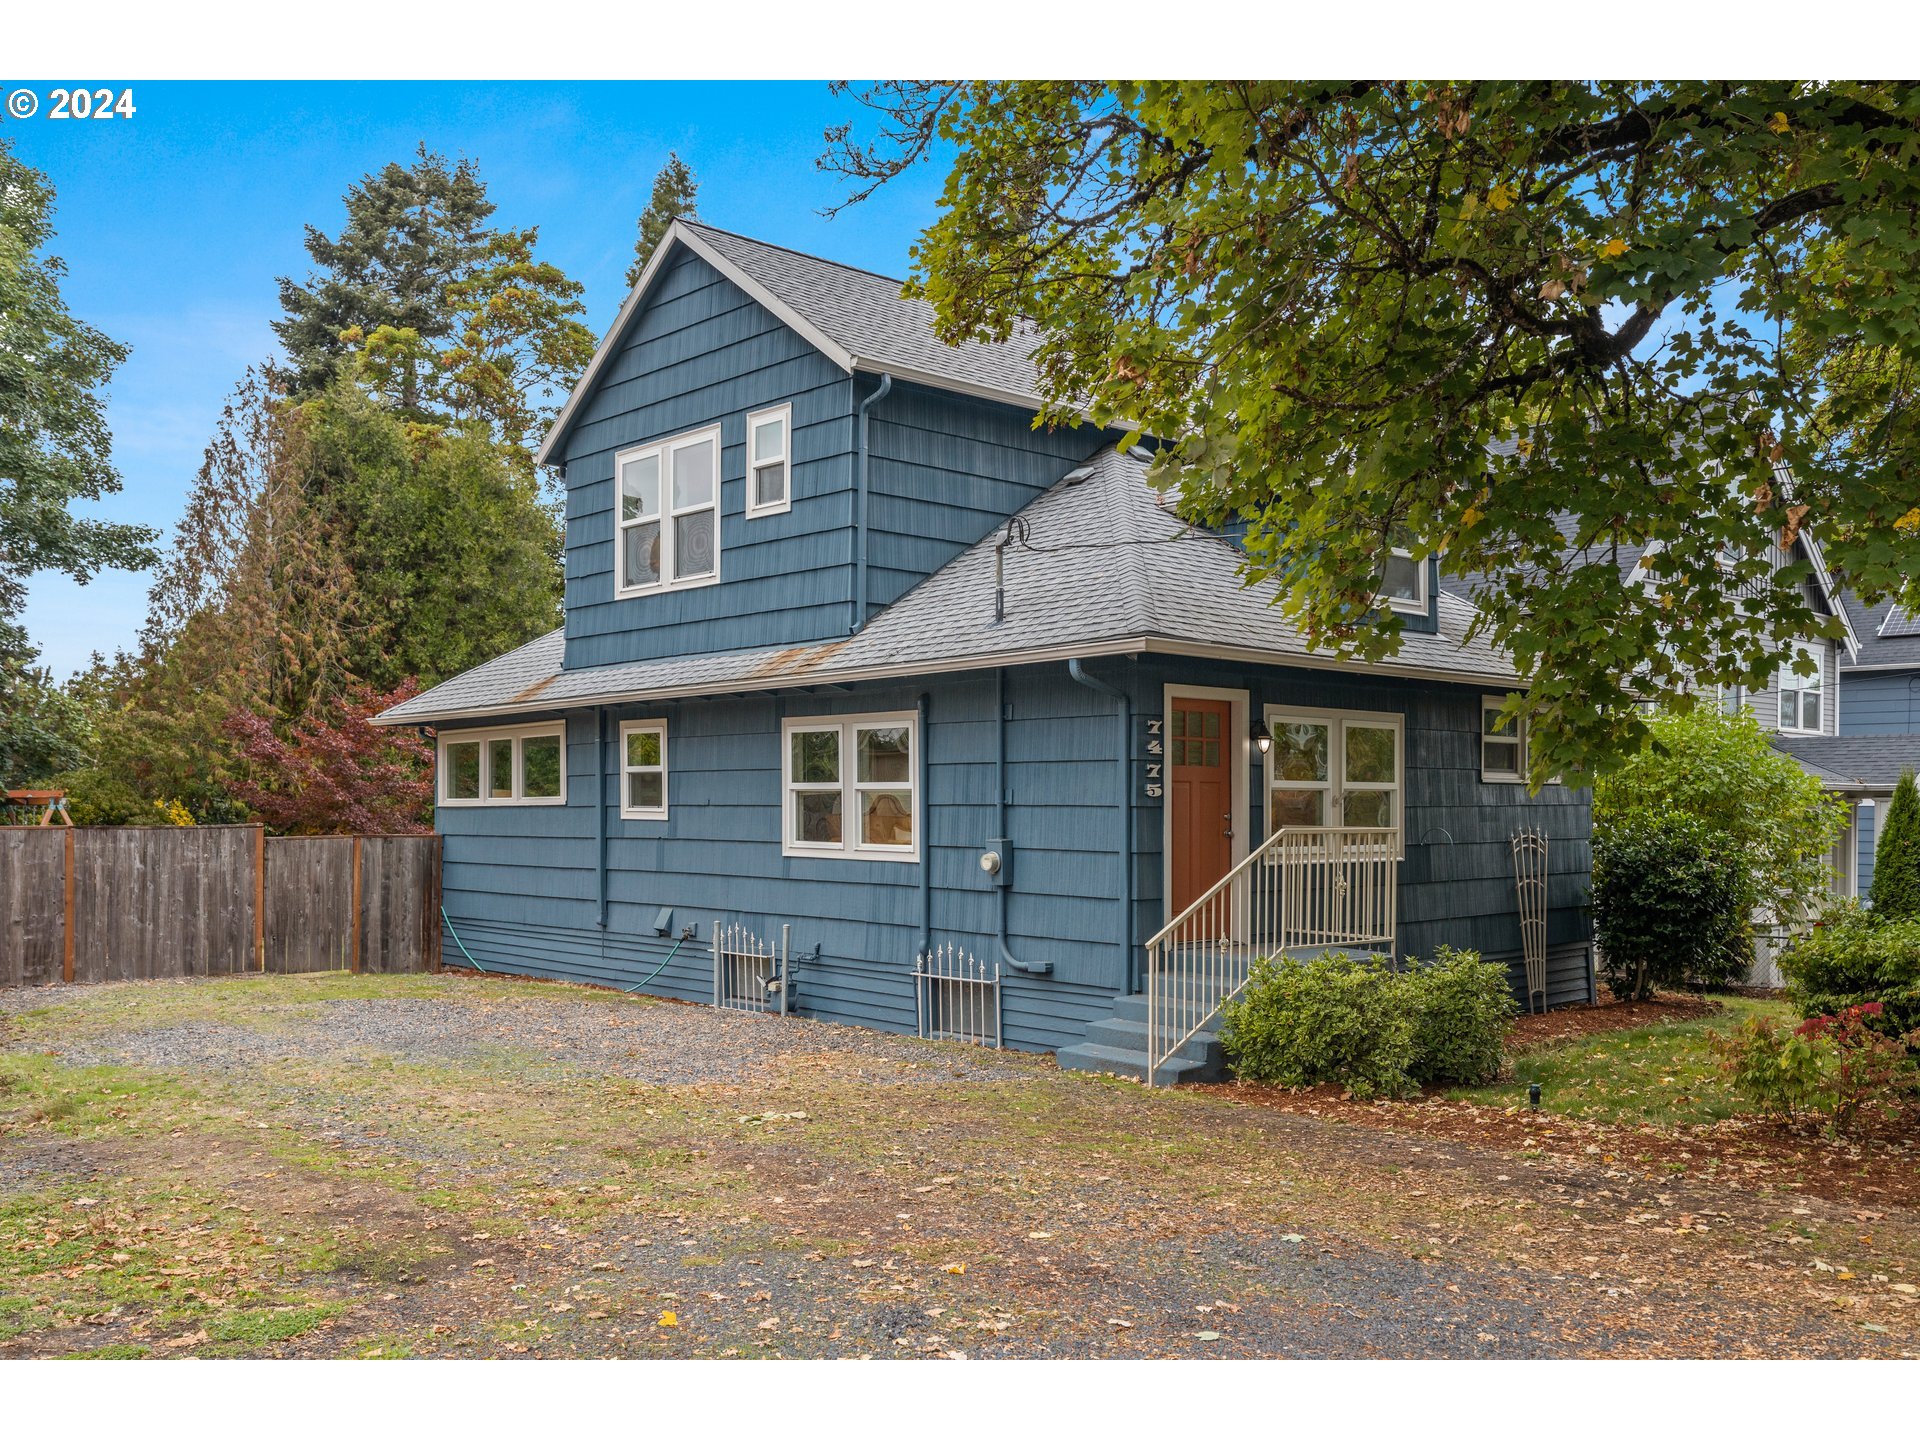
877,703
1875,733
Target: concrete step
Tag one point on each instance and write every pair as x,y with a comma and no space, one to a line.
1132,1064
1124,1034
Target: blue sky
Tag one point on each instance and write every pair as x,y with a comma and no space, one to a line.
175,225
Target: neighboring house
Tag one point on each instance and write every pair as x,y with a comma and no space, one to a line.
1879,722
854,651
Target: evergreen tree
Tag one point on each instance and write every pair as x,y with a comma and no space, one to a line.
674,190
411,233
1896,859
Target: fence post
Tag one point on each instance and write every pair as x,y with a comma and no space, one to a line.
66,957
435,856
260,898
354,956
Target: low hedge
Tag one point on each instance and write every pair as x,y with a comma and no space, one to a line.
1374,1030
1858,957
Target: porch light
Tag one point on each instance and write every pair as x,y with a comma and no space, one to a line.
1262,737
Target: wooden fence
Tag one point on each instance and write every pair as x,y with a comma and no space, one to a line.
82,905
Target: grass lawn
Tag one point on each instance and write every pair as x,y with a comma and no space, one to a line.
384,1167
1663,1074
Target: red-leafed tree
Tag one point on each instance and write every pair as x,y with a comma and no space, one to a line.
337,772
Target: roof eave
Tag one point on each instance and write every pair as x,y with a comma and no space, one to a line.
903,670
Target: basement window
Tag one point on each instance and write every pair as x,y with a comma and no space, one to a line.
525,765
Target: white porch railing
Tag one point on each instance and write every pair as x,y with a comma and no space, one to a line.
1303,889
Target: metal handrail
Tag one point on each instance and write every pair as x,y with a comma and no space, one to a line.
1304,886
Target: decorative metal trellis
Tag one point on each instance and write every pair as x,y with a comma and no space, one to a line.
957,997
1530,884
750,973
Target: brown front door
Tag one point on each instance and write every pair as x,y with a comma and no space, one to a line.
1200,758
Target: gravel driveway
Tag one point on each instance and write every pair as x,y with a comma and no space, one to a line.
482,1167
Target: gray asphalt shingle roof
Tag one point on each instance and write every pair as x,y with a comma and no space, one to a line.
1105,569
866,315
1888,635
1854,762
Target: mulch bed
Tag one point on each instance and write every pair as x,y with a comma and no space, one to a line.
1532,1031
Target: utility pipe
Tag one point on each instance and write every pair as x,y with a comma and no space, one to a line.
926,831
1125,845
1007,957
858,608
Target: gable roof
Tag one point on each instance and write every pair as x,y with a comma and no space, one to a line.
1889,636
857,319
1853,762
1104,569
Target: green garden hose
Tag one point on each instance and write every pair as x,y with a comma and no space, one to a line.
661,966
461,943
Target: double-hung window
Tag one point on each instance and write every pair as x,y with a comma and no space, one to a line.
525,765
850,786
770,461
1800,694
669,517
643,770
1403,583
1334,768
1503,743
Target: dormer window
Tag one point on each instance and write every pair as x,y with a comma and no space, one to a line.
1403,583
769,461
1800,694
668,535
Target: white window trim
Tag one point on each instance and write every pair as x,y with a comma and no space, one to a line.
783,413
1418,604
850,846
1516,731
642,812
1792,682
1337,722
519,735
669,578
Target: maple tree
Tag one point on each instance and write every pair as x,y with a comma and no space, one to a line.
335,771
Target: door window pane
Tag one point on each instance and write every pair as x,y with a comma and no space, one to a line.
463,770
500,769
540,767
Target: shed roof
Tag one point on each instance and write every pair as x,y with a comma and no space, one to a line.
1104,569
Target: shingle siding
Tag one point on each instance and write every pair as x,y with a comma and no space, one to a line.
521,885
702,353
1881,702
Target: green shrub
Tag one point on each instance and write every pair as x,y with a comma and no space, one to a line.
1332,1019
1375,1031
1668,905
1858,957
1896,858
1777,1068
1463,1005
